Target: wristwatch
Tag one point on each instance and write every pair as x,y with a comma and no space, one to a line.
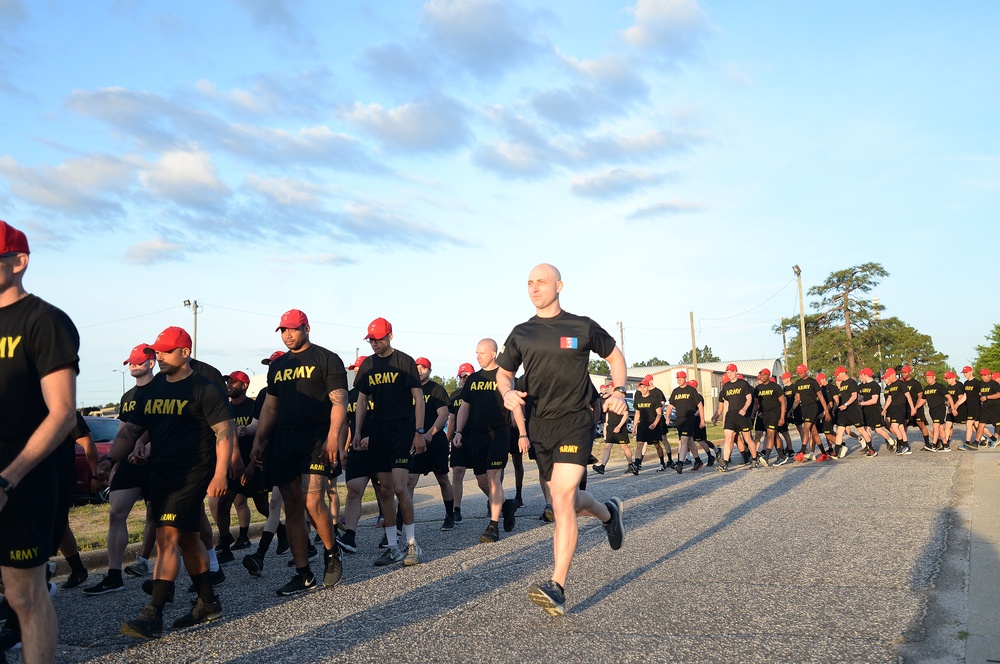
421,430
6,486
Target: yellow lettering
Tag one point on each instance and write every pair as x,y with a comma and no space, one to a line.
317,466
288,374
168,517
7,346
569,449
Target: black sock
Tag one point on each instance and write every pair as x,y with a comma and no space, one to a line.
282,534
661,459
449,507
304,571
203,584
162,590
115,574
245,532
13,622
265,542
458,510
76,564
330,553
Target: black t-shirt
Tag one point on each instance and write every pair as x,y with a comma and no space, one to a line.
302,383
646,406
915,389
685,401
767,395
846,389
80,429
243,415
434,398
808,391
934,395
829,391
352,411
179,417
486,409
868,390
258,403
387,381
36,339
455,401
735,393
971,388
555,353
952,391
789,392
126,407
209,372
986,388
897,394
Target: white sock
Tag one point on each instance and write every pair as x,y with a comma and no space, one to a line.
213,560
390,537
408,533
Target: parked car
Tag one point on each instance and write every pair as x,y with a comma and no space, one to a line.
103,431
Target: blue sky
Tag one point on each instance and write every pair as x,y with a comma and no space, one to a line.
415,160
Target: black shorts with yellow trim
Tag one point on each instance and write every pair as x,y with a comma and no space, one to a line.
177,495
850,416
26,521
565,439
488,450
896,415
299,452
736,422
434,459
873,416
687,424
389,445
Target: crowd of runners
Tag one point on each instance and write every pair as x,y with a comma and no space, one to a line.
188,433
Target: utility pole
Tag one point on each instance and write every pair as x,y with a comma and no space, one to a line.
194,332
784,345
694,349
621,336
802,315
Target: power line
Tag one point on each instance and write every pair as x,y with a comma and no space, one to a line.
120,320
752,308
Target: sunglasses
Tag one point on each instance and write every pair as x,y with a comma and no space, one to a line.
376,341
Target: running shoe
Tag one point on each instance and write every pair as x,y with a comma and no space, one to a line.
782,459
300,583
711,460
598,468
928,447
698,463
800,457
904,450
149,624
636,467
965,448
333,569
458,515
549,596
139,568
105,586
548,516
10,639
520,503
509,512
346,540
490,535
254,563
412,556
390,556
662,467
242,542
842,452
763,461
74,580
723,466
201,612
614,527
679,467
225,556
870,452
449,523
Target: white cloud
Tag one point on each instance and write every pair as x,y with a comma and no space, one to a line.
671,27
242,99
154,251
666,209
187,177
286,191
615,182
82,185
429,125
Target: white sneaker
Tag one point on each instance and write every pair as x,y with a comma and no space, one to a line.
412,554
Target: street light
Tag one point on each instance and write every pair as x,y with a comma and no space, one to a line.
251,371
122,372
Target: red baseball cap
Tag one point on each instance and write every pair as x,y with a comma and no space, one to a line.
358,362
821,376
293,318
765,372
681,374
169,339
839,370
801,369
907,369
648,380
966,369
138,355
928,374
465,367
379,328
693,383
240,376
730,367
725,378
275,355
423,362
12,241
866,372
786,375
950,374
996,375
889,373
985,372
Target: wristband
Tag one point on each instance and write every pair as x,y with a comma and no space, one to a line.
523,435
620,390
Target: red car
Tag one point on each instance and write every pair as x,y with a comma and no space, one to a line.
103,431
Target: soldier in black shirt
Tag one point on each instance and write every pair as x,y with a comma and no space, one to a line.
792,416
484,424
955,397
307,403
936,396
915,395
690,409
459,455
869,396
554,348
769,402
191,425
389,378
989,409
849,413
615,433
896,411
38,349
972,409
435,459
737,399
809,399
647,425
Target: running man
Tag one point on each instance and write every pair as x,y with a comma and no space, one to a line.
870,398
849,413
690,417
554,348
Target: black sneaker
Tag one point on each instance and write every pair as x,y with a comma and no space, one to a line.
458,515
636,467
698,463
147,587
10,639
105,586
201,612
598,468
74,580
711,460
390,556
614,527
241,543
549,596
723,466
903,450
449,523
679,467
225,556
508,510
283,545
333,570
216,578
662,467
346,540
149,624
300,583
548,516
630,468
254,563
928,447
490,535
384,543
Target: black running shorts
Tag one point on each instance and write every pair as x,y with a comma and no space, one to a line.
810,412
299,452
736,422
687,425
460,456
647,435
896,415
434,460
26,521
563,440
358,465
487,449
131,476
177,495
850,416
389,445
919,417
873,416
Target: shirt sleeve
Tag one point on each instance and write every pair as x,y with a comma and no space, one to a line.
215,404
336,374
601,342
55,343
509,357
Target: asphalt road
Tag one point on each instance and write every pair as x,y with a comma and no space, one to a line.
847,561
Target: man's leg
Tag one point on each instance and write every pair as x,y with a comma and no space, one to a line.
457,484
28,595
121,503
318,510
567,502
295,521
517,459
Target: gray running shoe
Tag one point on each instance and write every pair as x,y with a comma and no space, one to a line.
201,612
615,528
549,596
138,568
390,556
412,554
149,624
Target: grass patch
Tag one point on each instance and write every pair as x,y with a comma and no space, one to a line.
963,635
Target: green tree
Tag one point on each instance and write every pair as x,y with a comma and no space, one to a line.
599,367
652,362
450,384
704,355
989,355
841,305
